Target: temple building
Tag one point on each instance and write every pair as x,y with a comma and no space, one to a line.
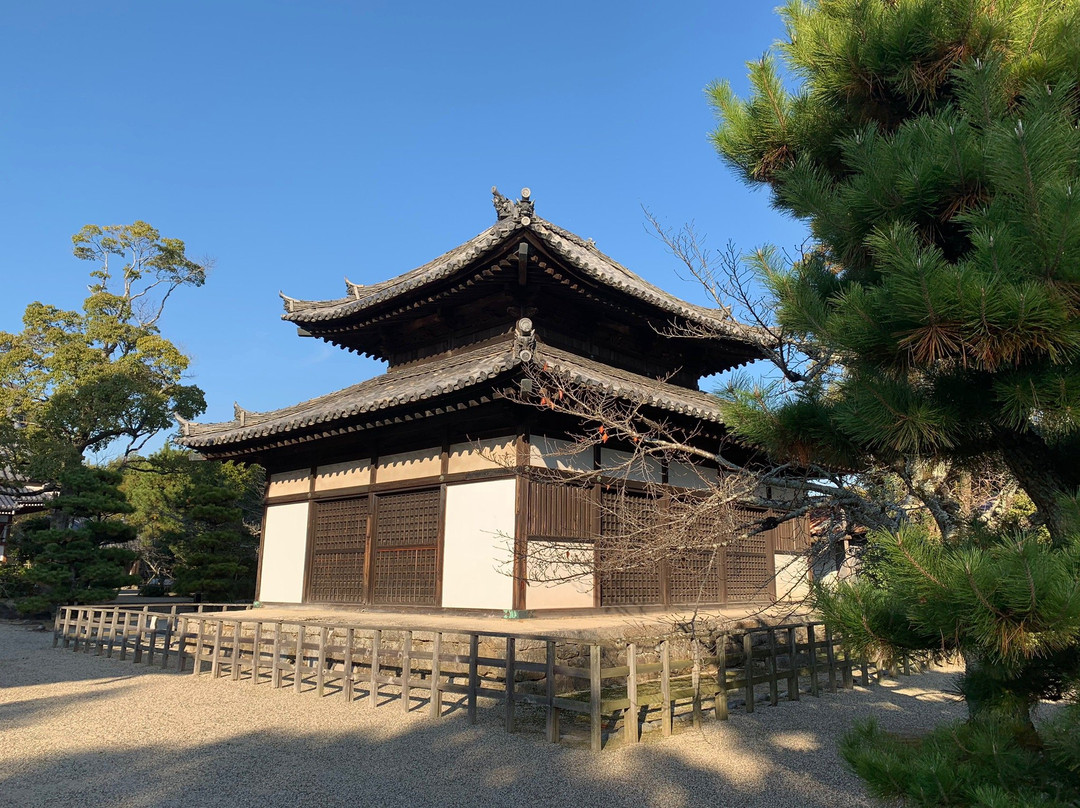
434,484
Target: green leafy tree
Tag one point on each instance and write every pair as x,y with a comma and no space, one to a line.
73,382
933,149
216,554
85,561
159,488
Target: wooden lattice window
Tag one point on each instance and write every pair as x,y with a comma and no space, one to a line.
695,576
406,548
747,567
560,512
624,523
338,542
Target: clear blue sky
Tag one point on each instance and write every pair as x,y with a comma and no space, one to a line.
298,143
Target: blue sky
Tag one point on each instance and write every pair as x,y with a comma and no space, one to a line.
298,143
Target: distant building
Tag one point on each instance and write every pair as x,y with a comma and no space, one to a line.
415,488
18,496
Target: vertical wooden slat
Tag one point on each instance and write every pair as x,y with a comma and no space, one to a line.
793,664
436,675
774,688
237,631
56,627
376,640
298,662
511,674
137,648
406,670
256,652
474,676
865,672
811,643
181,648
665,686
102,622
695,679
830,659
166,642
347,684
630,720
151,638
320,674
196,667
595,716
720,705
748,670
552,710
275,662
113,623
215,662
67,625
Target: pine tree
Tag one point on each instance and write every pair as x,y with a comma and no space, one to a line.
85,562
933,148
215,554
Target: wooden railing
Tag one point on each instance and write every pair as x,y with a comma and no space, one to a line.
566,681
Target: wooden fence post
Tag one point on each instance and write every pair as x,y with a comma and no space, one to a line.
256,652
406,670
102,622
67,624
237,630
137,649
320,674
196,667
376,639
695,680
774,687
811,645
793,664
511,674
181,645
748,670
630,721
830,658
436,675
595,737
275,661
665,686
720,705
112,631
347,684
215,663
298,662
552,710
474,676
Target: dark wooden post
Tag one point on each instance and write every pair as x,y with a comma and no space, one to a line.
595,717
552,710
793,663
815,689
474,675
196,667
102,622
830,659
665,686
320,674
511,673
181,645
748,670
298,662
720,705
774,688
237,631
67,623
695,678
630,721
256,652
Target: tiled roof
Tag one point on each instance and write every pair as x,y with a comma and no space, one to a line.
432,379
516,218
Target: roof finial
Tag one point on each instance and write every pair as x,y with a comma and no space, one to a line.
288,301
239,413
185,424
504,208
525,205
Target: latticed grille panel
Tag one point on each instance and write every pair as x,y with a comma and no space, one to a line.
339,538
406,576
560,511
625,581
410,519
747,572
406,555
695,577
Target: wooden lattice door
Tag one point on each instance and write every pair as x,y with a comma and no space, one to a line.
338,542
625,578
407,548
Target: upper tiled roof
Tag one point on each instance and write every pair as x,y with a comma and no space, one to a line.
431,380
515,219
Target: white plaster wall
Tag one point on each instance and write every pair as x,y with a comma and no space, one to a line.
553,453
576,593
642,469
290,482
409,466
343,475
478,545
687,475
284,549
481,455
792,577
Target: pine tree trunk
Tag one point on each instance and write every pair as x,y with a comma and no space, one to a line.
1043,477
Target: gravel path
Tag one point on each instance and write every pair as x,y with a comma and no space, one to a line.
81,730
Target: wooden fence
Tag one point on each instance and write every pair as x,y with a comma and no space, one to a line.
614,688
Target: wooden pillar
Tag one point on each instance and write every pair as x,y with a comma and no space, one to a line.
552,710
347,682
376,640
748,670
436,675
511,674
811,643
665,687
720,705
793,664
474,676
630,720
298,662
595,695
406,670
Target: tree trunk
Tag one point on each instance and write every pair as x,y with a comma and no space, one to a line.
1040,472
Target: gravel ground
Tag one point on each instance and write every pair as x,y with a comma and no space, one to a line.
81,730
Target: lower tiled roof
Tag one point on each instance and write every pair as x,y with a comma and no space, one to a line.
433,379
